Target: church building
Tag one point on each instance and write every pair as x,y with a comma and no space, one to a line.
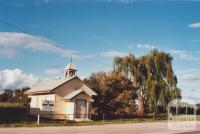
62,98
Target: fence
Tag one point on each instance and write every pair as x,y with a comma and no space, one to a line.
19,116
63,119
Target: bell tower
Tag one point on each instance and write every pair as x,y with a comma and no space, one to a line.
70,70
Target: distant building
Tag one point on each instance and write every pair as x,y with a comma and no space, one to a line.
62,98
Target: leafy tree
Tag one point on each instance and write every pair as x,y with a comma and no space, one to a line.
114,94
19,95
16,95
153,78
6,96
135,70
161,81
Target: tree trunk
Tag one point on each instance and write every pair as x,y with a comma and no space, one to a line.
155,111
140,110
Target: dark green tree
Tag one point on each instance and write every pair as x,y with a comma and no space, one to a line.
114,94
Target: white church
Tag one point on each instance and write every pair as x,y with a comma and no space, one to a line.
64,98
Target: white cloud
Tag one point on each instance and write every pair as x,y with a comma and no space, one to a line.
146,46
181,54
55,70
189,76
189,82
188,79
195,25
16,78
91,56
34,43
193,96
8,53
113,54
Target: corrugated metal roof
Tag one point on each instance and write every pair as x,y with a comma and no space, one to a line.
48,85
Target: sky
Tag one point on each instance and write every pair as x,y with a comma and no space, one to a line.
38,37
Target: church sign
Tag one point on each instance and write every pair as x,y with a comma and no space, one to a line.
47,105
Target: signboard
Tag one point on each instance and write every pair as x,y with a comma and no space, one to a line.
47,105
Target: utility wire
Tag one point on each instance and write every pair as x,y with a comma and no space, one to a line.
89,58
93,60
25,31
14,26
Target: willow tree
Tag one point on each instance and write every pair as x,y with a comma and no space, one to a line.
161,81
153,77
134,69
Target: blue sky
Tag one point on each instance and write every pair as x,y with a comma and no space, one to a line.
97,30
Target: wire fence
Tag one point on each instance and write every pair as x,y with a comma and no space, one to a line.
64,119
20,116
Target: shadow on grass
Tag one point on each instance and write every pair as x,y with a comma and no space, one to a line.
17,117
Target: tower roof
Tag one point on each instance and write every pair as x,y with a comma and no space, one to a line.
71,66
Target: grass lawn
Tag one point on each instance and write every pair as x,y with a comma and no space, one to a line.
14,115
8,104
64,123
99,122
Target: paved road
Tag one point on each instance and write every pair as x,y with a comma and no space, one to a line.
137,128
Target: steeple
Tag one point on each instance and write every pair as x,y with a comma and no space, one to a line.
70,70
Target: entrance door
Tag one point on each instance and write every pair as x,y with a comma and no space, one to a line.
81,108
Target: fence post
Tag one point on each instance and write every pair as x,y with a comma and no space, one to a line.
186,110
66,118
38,119
103,117
121,116
90,116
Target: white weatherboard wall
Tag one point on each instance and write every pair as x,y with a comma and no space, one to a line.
36,102
70,110
61,105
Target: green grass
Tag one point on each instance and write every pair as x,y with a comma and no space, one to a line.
8,104
13,115
100,122
185,118
11,112
63,123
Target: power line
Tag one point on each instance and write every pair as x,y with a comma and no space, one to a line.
14,26
96,61
25,31
21,29
88,58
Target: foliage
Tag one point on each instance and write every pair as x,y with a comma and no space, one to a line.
114,93
136,71
8,104
15,96
149,79
153,78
